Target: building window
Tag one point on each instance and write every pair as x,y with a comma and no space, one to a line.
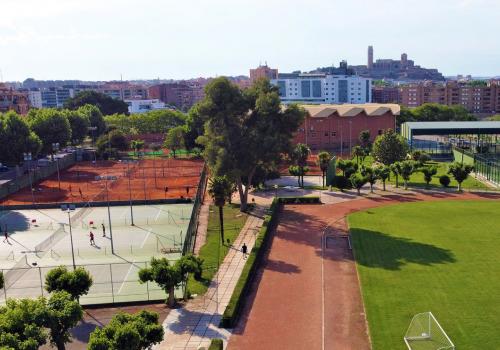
334,133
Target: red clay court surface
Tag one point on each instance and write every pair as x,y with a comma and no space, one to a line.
180,176
286,303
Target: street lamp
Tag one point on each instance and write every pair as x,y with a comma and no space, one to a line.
55,148
275,191
27,158
68,209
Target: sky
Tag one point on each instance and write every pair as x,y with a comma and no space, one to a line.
182,39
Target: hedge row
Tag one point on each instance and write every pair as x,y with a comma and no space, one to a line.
236,303
216,344
299,200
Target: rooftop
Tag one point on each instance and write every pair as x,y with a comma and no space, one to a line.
351,110
449,128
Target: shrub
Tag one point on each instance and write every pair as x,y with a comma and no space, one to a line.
444,180
216,344
341,182
299,200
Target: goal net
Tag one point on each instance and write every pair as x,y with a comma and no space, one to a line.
425,333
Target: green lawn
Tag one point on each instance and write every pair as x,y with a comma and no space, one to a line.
234,220
442,257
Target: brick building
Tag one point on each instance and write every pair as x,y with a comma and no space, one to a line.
263,72
337,127
11,99
182,95
479,98
386,94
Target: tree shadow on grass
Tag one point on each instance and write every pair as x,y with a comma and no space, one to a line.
379,250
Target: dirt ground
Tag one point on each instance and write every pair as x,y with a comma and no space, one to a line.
306,297
85,182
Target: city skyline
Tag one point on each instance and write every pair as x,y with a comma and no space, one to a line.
95,40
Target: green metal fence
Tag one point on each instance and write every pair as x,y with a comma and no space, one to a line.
193,223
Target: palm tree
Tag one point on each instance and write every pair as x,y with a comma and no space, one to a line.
396,170
428,172
220,188
383,173
323,162
301,153
407,168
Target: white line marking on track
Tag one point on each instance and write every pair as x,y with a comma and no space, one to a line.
146,238
126,276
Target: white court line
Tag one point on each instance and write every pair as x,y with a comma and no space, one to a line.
126,276
149,231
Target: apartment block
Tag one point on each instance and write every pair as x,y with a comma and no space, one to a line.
323,88
182,95
263,71
12,100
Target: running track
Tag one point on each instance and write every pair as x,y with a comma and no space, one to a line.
306,297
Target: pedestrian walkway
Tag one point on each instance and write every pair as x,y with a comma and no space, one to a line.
194,325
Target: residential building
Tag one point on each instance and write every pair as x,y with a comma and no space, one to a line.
142,106
337,127
386,94
475,97
14,100
323,88
55,97
35,98
124,90
182,95
263,71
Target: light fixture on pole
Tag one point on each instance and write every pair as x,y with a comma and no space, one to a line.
55,148
68,209
27,158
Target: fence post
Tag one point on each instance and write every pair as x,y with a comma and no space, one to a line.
112,288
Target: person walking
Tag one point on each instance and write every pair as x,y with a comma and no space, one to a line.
92,242
80,191
103,230
6,236
244,250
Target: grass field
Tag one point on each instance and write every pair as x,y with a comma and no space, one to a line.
234,220
442,257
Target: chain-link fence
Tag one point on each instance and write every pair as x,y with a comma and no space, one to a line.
112,283
193,223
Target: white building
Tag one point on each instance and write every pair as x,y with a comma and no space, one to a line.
141,106
323,88
35,98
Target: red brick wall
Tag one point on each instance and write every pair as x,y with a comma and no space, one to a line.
327,133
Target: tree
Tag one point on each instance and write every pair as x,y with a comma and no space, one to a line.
190,264
358,181
444,180
22,324
63,313
107,105
295,170
95,118
79,124
16,138
389,147
348,167
364,139
76,283
175,139
407,168
245,129
300,155
220,188
167,276
428,172
195,127
396,170
2,280
383,173
157,121
138,331
118,140
137,145
370,175
323,162
460,172
358,152
51,126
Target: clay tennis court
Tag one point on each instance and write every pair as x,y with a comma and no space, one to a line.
142,180
306,297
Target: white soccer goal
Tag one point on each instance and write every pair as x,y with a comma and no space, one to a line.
425,333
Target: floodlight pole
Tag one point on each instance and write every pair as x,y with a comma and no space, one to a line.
130,194
27,157
68,210
109,216
55,147
144,178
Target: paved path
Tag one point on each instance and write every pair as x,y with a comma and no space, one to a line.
194,325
